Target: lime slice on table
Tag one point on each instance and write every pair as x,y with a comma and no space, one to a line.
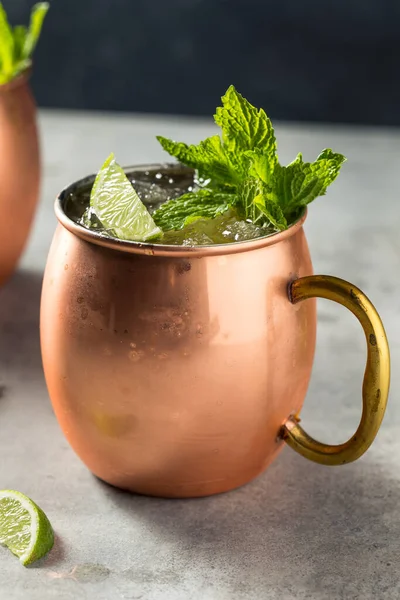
118,206
24,528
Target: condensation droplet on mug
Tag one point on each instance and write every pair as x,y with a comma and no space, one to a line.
107,351
162,356
65,267
135,355
80,299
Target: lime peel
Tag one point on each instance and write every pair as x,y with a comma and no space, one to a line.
24,528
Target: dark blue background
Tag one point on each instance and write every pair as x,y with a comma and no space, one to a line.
305,60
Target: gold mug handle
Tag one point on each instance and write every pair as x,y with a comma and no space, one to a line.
376,378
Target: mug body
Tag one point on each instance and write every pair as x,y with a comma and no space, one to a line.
171,370
19,170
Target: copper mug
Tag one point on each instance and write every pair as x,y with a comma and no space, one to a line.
19,170
181,371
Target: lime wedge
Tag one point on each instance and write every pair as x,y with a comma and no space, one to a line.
24,528
118,206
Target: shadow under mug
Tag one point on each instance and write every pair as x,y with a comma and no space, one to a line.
181,371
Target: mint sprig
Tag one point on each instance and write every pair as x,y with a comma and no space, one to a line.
244,166
18,43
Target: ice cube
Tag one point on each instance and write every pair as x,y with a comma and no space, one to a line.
240,231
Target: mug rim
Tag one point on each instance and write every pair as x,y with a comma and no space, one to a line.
150,249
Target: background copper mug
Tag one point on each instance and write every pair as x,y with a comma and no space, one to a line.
19,170
179,372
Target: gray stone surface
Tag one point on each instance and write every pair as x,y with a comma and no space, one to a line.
301,531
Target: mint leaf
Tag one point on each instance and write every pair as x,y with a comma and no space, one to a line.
38,14
247,133
272,212
19,34
208,157
243,126
6,47
261,164
177,213
20,63
256,205
300,183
